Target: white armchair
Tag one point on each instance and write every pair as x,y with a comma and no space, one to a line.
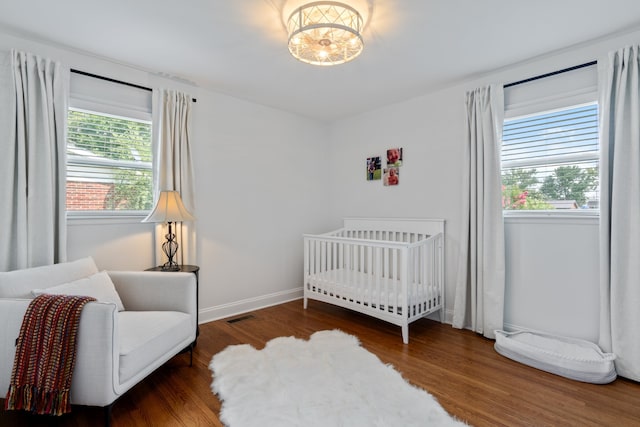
115,349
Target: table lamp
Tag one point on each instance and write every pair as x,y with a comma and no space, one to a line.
169,209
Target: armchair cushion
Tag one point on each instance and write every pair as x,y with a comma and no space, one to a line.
20,283
98,286
149,335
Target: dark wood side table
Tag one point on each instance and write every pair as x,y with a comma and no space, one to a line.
185,268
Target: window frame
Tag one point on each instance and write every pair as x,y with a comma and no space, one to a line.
560,213
116,214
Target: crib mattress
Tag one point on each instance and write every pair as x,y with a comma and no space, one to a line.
571,358
364,288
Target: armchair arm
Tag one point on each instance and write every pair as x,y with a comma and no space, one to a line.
11,314
96,369
156,291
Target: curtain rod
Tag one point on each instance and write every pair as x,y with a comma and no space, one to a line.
109,79
553,73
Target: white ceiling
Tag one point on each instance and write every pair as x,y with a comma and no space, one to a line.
238,47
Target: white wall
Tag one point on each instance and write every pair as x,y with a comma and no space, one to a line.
552,275
114,245
552,269
260,184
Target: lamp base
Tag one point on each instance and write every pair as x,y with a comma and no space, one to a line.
170,248
170,267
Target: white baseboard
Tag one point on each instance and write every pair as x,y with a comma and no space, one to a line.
510,327
235,308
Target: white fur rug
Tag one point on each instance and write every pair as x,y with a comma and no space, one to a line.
327,381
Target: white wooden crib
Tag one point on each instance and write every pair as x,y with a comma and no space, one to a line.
391,269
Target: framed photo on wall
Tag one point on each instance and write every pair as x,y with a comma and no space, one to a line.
374,168
391,176
394,157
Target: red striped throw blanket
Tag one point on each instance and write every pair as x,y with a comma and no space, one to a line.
45,355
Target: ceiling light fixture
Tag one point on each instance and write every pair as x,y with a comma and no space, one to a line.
325,33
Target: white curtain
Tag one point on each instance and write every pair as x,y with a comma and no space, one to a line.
174,167
34,98
479,299
620,210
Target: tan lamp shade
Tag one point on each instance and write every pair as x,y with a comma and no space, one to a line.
169,208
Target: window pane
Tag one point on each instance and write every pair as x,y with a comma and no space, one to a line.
550,160
108,163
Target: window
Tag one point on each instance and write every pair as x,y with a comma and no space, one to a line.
550,160
108,163
109,158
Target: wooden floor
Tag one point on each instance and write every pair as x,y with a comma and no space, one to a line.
459,368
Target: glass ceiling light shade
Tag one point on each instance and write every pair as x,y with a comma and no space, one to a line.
325,33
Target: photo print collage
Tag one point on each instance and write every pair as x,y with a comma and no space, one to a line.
390,175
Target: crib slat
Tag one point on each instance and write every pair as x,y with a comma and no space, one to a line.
404,291
434,272
425,275
367,291
306,263
438,265
428,291
395,277
418,290
334,257
378,277
323,256
384,296
312,256
341,258
431,290
436,282
387,278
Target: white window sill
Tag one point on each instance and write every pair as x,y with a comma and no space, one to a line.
573,216
107,218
